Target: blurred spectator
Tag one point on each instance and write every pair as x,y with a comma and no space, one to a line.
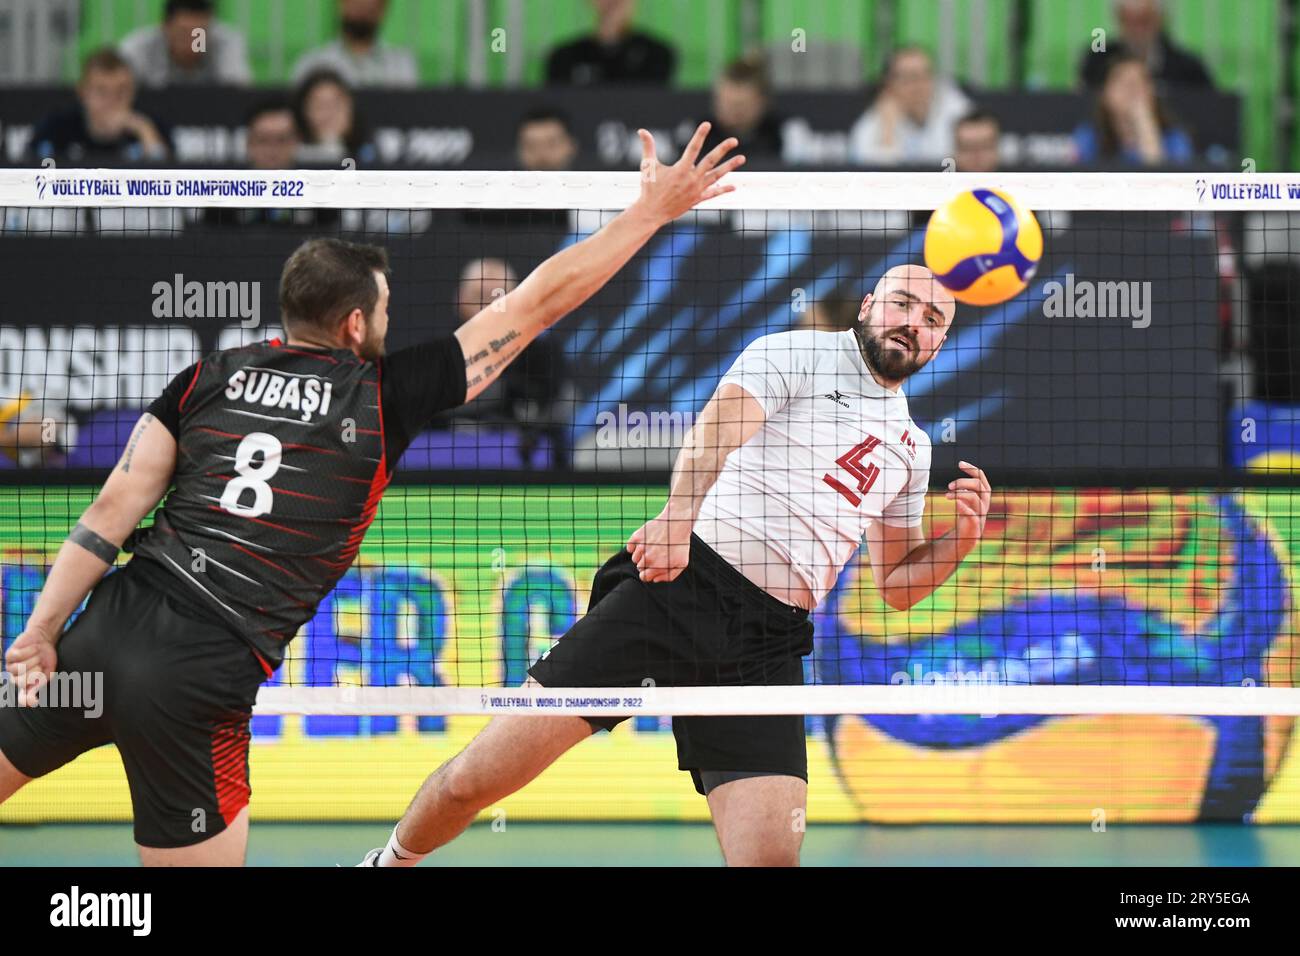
104,128
273,139
34,432
833,314
1142,34
359,56
976,139
534,392
271,142
171,53
741,109
328,123
615,53
911,121
544,141
1130,124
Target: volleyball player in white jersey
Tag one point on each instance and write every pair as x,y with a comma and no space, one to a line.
805,449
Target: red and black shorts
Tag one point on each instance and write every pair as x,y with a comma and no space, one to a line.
177,692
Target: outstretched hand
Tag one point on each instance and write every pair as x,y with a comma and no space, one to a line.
669,191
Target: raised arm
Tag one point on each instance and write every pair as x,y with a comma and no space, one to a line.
492,339
661,547
906,567
133,489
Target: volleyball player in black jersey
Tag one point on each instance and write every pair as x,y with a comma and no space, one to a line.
276,456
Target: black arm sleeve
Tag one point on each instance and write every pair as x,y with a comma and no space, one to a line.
167,406
418,383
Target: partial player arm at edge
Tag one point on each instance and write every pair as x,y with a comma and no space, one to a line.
133,489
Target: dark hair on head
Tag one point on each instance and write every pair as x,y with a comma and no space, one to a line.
325,279
173,7
106,59
354,139
545,114
748,70
270,104
979,115
1107,129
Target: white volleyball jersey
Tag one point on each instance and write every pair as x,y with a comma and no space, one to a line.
836,452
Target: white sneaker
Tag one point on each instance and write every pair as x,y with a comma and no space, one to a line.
372,858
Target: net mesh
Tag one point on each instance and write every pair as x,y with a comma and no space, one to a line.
1130,408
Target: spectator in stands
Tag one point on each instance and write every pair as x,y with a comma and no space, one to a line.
911,121
1130,123
544,141
614,53
104,128
272,141
1142,34
359,56
535,391
328,123
832,314
35,432
976,139
741,108
189,46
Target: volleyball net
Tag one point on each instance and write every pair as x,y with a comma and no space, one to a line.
1133,409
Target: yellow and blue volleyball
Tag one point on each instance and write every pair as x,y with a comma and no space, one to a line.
983,246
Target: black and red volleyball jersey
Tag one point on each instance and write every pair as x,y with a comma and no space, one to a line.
283,452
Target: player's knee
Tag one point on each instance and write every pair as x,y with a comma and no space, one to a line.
464,789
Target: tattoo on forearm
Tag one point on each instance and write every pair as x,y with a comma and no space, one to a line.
478,356
509,337
135,440
92,542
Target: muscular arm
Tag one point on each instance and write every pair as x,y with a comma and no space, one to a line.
492,339
661,547
907,568
133,489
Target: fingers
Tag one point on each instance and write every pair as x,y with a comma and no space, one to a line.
715,174
975,472
718,152
647,146
713,191
692,151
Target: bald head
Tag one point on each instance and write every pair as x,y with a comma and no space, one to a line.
482,282
905,320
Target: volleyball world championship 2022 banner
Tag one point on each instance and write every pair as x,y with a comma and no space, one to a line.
467,585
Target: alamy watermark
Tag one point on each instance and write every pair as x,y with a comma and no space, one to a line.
208,300
638,429
1086,299
71,690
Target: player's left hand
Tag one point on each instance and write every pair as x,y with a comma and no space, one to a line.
670,191
31,660
973,496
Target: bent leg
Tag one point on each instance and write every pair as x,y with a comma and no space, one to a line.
227,848
508,753
760,820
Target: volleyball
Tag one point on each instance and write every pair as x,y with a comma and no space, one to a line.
983,246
